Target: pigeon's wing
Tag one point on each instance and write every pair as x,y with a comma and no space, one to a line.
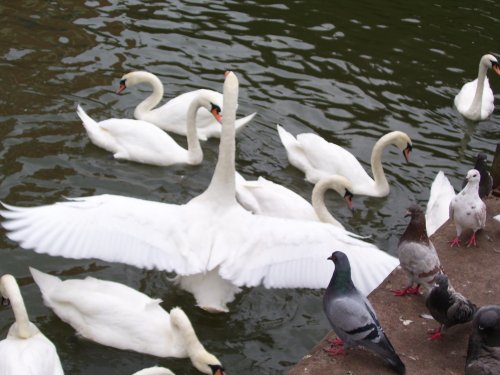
481,215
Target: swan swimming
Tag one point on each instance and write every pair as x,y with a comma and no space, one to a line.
318,158
25,350
143,142
116,315
264,197
172,115
213,244
475,99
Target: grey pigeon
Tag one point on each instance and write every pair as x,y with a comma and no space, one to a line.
352,316
483,353
417,255
448,306
467,210
486,181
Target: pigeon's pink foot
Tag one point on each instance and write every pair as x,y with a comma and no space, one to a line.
455,242
334,351
406,291
472,241
335,342
436,334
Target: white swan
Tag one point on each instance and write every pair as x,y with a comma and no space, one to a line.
475,100
264,197
318,158
211,242
143,142
172,115
25,350
438,206
154,371
115,315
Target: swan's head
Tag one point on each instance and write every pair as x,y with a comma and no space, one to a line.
5,280
208,364
473,176
341,185
491,61
403,142
134,78
211,102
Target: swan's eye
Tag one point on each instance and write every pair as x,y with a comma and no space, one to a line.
122,82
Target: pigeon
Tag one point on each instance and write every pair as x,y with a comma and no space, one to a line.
467,210
448,306
486,181
352,316
417,255
483,352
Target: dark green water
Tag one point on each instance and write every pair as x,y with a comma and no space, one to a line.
350,71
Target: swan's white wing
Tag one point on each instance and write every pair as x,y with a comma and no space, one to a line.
438,206
332,159
464,98
108,227
33,356
267,198
283,253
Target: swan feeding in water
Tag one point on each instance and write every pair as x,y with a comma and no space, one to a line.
143,142
264,197
318,158
116,315
172,115
213,244
25,350
475,99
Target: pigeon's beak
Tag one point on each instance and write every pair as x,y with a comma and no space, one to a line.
348,198
408,213
122,87
331,257
407,151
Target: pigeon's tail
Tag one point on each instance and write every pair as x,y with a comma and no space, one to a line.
385,349
396,363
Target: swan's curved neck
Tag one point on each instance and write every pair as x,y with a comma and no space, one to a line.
195,152
222,186
477,101
318,199
10,290
378,173
152,100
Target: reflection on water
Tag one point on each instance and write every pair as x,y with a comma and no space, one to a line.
349,72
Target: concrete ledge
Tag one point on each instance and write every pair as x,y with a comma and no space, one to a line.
474,272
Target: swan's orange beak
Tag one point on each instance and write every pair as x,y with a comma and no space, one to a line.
122,87
407,151
226,73
348,198
496,68
217,115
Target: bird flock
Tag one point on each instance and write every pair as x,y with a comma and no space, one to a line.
237,234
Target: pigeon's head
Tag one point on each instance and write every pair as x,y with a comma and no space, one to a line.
441,280
339,258
414,211
473,176
487,324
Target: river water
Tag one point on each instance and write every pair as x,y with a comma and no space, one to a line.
349,71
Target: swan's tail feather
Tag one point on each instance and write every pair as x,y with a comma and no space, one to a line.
87,121
241,122
286,138
45,282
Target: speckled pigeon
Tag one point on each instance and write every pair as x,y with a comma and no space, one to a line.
352,316
486,181
483,353
417,255
448,306
467,210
